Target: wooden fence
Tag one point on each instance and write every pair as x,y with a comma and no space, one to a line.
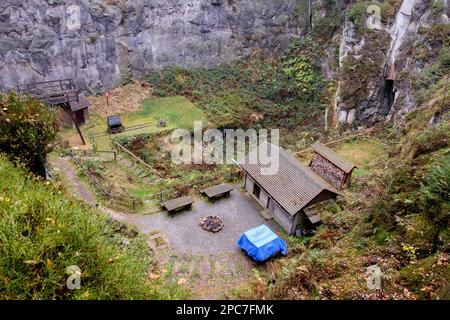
86,171
93,152
128,129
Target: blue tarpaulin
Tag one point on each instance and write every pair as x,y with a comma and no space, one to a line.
261,243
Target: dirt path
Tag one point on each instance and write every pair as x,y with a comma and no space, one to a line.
69,171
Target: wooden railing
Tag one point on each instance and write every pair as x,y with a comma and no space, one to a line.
52,92
93,152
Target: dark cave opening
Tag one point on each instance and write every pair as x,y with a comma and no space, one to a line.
389,93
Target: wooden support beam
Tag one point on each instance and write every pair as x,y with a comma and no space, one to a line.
69,112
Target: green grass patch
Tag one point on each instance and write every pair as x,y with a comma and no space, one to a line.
362,153
177,111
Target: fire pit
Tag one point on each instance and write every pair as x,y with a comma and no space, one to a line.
211,223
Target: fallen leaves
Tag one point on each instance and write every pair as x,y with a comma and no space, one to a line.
154,276
6,200
114,259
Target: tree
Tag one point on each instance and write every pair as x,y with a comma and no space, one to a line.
27,127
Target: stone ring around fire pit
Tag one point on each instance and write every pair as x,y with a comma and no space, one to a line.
211,223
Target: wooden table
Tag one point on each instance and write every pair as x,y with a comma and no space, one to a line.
217,191
178,204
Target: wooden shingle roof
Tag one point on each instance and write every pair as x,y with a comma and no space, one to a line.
293,186
333,157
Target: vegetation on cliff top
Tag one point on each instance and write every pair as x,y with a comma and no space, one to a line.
256,91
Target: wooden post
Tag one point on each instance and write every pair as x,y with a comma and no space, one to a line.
69,112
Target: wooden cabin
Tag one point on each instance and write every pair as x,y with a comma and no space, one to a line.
330,166
290,194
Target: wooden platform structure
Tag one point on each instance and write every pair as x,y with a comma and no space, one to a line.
52,93
218,191
63,94
178,204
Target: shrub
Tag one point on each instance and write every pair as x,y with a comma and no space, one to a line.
435,195
431,140
428,278
94,167
255,91
444,60
27,127
356,14
300,65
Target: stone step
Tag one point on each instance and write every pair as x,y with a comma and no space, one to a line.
266,214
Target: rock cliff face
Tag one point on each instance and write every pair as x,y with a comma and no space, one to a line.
378,65
101,43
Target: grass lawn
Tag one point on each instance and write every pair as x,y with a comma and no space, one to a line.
178,112
361,152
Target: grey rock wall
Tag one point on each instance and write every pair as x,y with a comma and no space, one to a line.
101,43
398,51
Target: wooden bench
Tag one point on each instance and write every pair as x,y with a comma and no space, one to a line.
217,191
178,204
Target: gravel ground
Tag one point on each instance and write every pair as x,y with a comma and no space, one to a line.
211,263
239,213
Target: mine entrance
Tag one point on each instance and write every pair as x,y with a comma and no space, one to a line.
389,92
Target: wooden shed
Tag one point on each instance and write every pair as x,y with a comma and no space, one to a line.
290,194
330,166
